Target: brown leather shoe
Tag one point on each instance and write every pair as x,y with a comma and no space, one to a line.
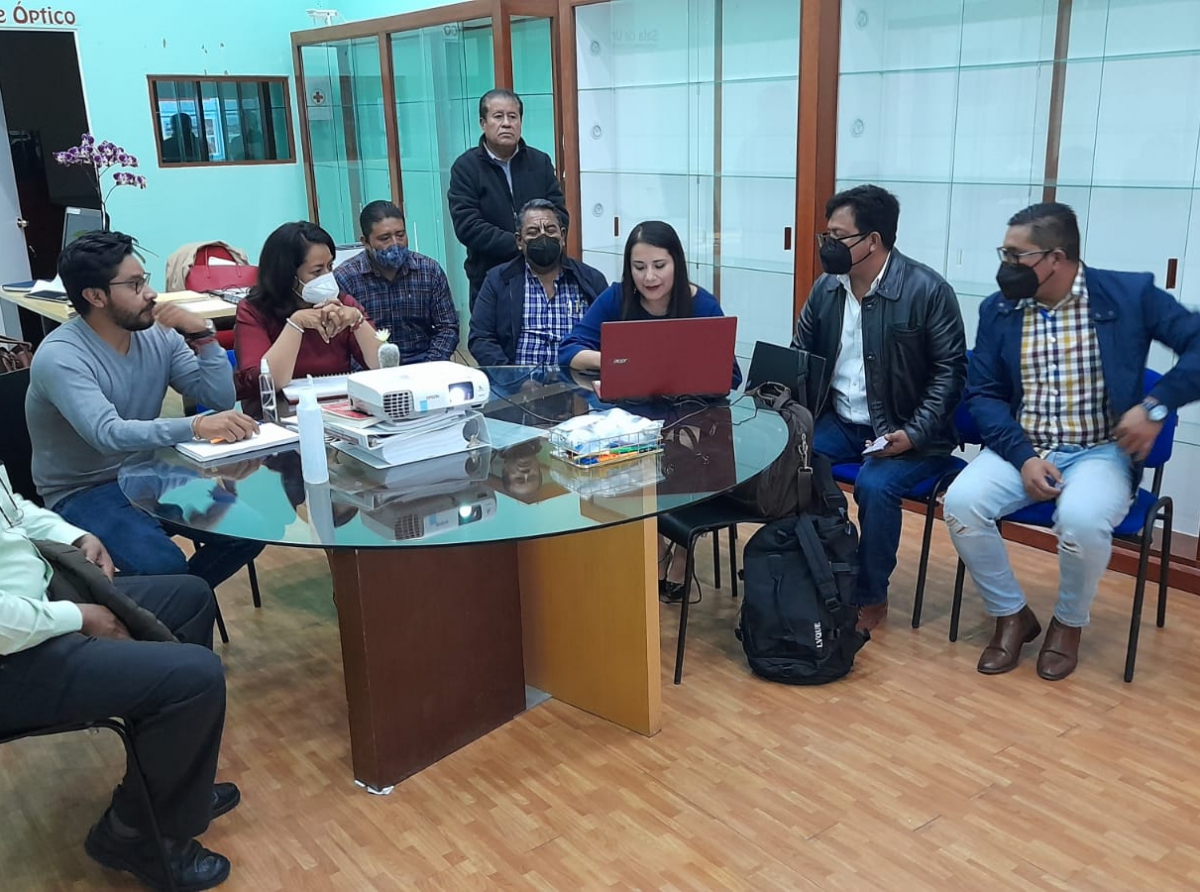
1012,633
870,616
1060,651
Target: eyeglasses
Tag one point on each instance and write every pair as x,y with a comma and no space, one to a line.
823,237
550,229
137,283
1008,255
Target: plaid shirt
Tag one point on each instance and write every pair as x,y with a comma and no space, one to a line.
415,306
547,321
1065,401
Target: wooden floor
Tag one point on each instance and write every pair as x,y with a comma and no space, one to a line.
914,773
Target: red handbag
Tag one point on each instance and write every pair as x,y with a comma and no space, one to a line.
220,278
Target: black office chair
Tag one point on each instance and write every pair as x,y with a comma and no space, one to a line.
119,728
16,454
684,527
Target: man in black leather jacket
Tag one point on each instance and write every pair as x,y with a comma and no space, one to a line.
895,354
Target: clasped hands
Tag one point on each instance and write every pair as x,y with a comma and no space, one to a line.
328,319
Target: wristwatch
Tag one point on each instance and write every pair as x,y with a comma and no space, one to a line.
1155,410
210,331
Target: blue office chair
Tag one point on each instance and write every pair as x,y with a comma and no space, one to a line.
1149,506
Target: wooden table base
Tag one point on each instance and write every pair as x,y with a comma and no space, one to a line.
437,643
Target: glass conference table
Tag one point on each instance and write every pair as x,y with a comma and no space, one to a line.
459,580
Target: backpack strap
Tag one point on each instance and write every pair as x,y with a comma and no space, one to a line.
818,563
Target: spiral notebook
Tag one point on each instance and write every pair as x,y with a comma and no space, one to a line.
269,436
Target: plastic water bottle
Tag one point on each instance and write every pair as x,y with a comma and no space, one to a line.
313,463
266,392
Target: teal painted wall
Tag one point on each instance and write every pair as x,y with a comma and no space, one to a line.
120,43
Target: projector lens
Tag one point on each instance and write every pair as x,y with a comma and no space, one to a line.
462,392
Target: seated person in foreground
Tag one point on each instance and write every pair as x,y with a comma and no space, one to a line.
894,326
296,316
96,391
1056,385
64,663
527,306
654,285
403,291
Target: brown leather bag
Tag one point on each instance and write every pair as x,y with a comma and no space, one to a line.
14,355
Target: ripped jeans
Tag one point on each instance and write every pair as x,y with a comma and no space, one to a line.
1095,498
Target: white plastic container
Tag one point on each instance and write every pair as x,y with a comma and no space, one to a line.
313,463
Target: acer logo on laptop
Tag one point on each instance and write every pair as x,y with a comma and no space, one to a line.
620,361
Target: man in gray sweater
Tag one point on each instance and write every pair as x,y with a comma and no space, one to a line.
96,390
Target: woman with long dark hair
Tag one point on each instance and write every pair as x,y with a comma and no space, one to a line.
654,285
296,316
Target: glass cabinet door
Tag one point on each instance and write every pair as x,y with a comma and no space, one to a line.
687,114
440,74
343,95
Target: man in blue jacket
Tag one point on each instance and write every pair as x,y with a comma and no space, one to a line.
528,306
1056,386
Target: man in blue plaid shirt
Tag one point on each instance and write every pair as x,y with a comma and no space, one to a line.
401,290
527,306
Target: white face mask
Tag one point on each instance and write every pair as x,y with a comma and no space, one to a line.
324,287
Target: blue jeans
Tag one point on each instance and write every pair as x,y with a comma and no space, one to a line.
1095,498
878,491
141,546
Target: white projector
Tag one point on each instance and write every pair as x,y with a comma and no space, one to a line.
411,391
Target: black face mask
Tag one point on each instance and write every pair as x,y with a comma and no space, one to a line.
1017,281
835,256
543,252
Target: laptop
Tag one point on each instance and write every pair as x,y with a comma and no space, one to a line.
798,369
666,358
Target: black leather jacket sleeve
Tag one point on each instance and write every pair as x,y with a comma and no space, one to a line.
948,361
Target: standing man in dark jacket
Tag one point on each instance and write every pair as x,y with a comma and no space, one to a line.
490,182
891,334
527,307
1057,388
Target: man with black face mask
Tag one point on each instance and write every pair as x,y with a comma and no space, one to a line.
891,334
1056,384
527,306
400,290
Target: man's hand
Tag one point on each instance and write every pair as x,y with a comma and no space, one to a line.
1042,480
93,549
173,315
99,622
1136,433
897,444
229,426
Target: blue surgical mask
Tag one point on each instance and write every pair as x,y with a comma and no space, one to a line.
391,257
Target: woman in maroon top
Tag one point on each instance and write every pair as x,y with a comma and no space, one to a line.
296,316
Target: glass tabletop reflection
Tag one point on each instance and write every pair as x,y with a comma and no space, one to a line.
515,488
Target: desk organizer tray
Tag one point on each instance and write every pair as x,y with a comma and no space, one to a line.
605,450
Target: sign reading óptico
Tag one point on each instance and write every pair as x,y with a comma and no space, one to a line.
45,16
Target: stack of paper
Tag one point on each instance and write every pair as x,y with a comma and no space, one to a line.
397,443
49,290
268,436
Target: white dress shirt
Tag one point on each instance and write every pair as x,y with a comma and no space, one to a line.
849,382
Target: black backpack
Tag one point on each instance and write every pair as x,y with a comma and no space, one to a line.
783,488
798,616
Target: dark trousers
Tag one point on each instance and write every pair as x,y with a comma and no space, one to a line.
141,546
878,491
171,695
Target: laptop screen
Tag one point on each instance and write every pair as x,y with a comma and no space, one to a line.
77,221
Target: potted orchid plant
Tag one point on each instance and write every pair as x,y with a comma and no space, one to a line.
98,157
